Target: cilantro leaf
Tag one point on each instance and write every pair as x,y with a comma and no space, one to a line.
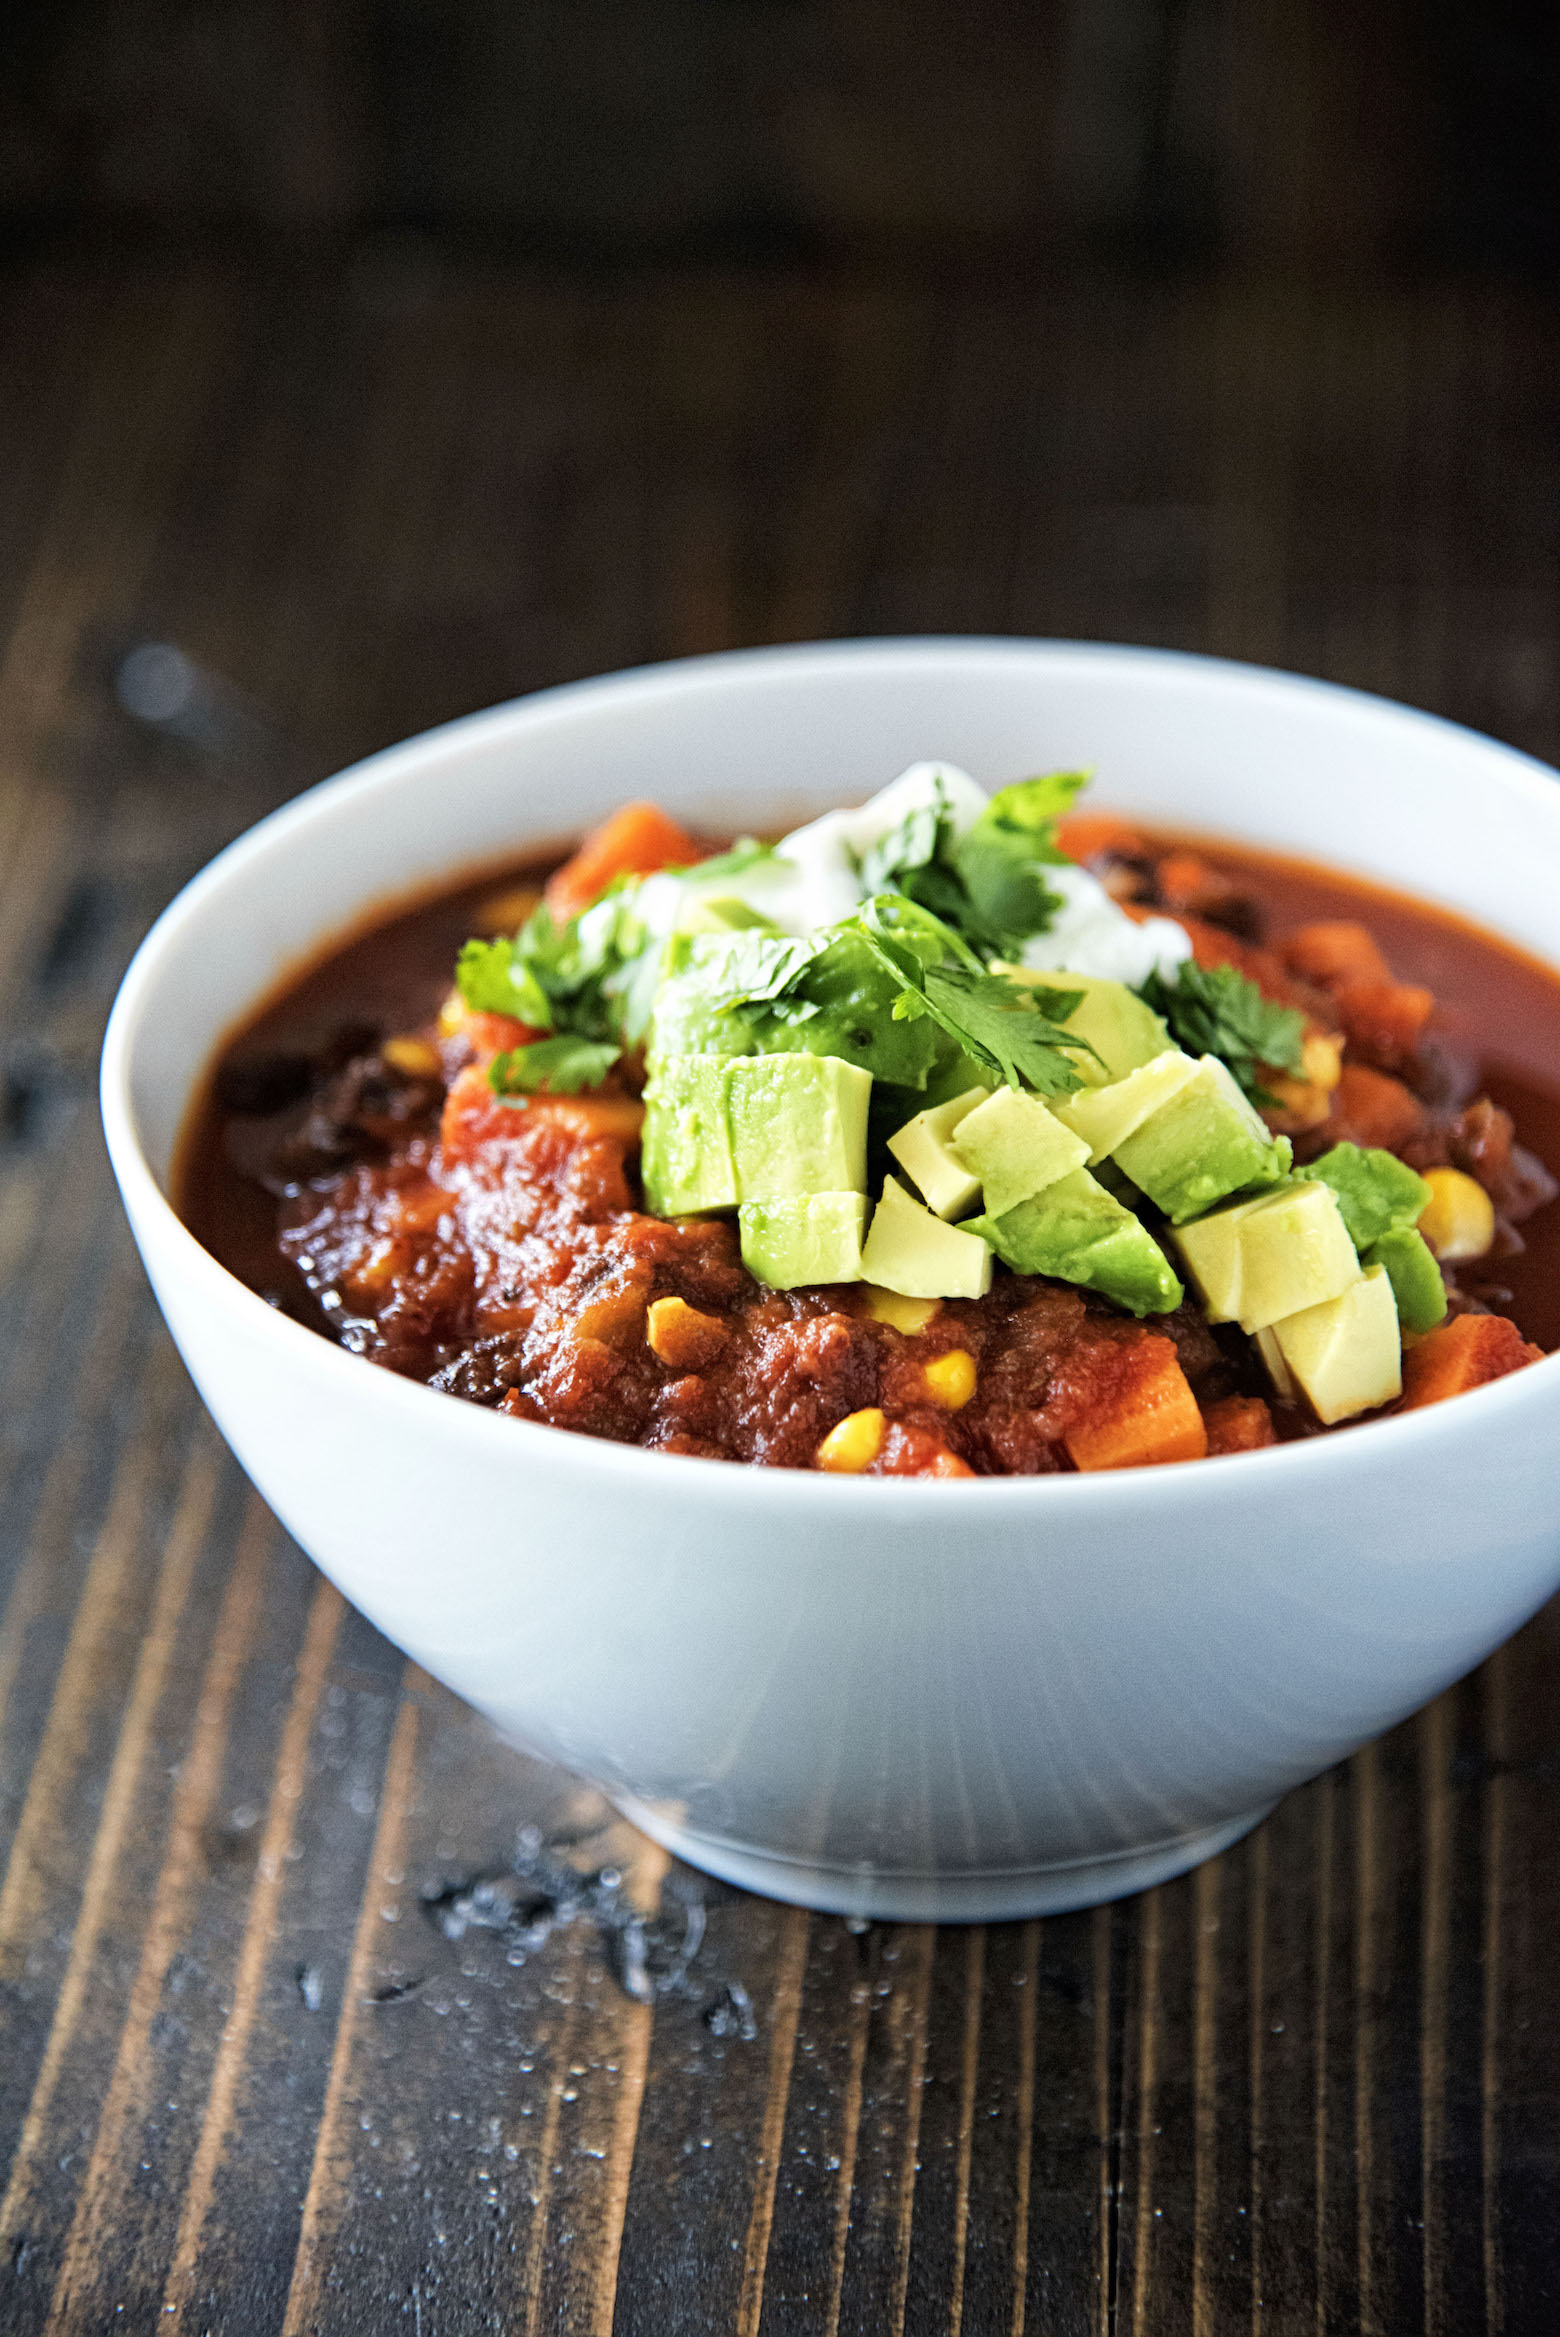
999,1023
590,978
989,883
557,1066
1001,862
753,968
1032,807
852,989
1215,1010
493,979
909,936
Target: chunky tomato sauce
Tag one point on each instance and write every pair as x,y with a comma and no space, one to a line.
350,1164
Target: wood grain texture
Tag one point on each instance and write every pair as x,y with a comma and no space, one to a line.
246,2084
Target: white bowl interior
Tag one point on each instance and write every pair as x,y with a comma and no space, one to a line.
763,738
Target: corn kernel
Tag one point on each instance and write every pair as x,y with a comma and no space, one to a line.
413,1058
1458,1220
1322,1060
854,1445
681,1336
1306,1101
948,1465
950,1379
506,911
901,1314
452,1016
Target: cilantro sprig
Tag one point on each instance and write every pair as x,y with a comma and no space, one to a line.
752,968
1014,1032
1215,1010
988,884
576,982
894,963
493,978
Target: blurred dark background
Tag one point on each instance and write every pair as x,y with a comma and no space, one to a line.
1370,135
421,353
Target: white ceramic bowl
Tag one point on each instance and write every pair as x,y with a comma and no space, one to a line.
964,1700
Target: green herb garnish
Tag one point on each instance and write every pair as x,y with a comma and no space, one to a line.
556,1066
754,968
989,883
588,982
1002,859
859,989
1215,1010
1000,1024
494,979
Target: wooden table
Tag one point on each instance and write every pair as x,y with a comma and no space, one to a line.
246,2084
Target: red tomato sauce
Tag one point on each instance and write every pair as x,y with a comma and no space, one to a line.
348,1161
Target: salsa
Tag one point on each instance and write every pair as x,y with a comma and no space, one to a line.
821,1252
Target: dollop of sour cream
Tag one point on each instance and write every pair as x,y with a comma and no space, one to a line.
815,879
1090,934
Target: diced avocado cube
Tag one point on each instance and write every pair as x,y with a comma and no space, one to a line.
798,1125
813,1238
1346,1353
686,1161
1078,1232
1211,1253
1204,1144
1414,1275
686,1017
1113,1020
1125,1191
1377,1192
952,1076
921,1149
848,1012
1124,1033
1278,1370
720,1131
1106,1116
910,1251
1295,1252
1015,1145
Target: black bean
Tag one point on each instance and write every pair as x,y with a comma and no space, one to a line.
256,1085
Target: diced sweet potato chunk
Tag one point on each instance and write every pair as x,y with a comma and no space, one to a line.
474,1117
1334,951
486,1034
1213,945
1371,1107
908,1451
1463,1354
634,842
1084,835
495,1034
1239,1424
1188,882
1386,1018
1144,1412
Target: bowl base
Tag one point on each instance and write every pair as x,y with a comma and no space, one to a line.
889,1895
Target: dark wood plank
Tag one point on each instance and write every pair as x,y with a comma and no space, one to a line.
1314,2086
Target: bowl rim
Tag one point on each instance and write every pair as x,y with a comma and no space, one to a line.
693,1475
